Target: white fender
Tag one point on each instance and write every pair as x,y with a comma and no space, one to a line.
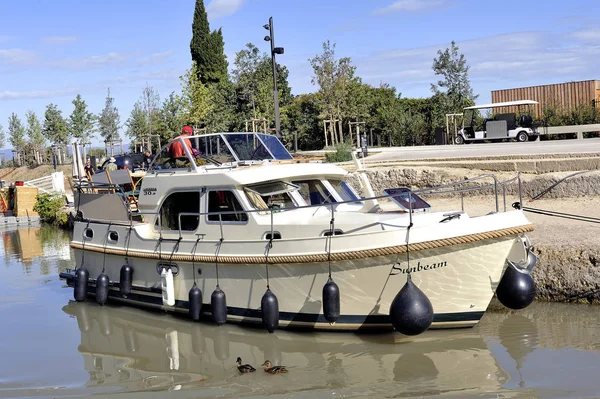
172,339
168,288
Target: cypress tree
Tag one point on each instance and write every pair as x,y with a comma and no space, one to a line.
207,48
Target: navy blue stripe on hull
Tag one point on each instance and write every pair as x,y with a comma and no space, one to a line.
359,320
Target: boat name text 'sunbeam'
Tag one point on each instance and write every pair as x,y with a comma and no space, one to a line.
418,268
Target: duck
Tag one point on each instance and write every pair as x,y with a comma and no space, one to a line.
244,368
269,368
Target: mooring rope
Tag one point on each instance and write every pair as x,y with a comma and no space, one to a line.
105,245
218,250
571,216
329,238
127,241
175,248
408,248
269,246
193,262
83,245
547,190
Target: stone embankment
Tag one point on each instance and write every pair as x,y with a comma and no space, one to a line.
569,250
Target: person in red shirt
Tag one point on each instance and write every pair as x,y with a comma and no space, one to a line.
176,149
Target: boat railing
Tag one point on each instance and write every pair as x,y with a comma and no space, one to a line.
450,188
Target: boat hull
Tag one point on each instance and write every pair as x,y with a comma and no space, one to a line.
459,280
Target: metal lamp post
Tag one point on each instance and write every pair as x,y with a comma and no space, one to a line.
274,50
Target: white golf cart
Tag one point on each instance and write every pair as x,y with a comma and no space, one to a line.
499,126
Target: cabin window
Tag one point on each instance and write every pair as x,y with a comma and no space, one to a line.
275,193
314,192
225,201
344,191
176,203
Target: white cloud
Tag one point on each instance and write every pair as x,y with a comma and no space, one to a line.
35,94
91,62
59,39
167,75
587,35
17,56
223,8
163,75
155,58
410,6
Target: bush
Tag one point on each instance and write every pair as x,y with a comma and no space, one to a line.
343,153
50,208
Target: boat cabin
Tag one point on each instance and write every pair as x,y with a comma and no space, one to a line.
233,179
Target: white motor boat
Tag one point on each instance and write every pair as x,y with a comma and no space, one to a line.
290,244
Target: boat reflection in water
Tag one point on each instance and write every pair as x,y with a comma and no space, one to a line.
139,350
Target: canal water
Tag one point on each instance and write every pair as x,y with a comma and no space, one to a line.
52,347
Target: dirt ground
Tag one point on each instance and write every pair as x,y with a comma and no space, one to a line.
24,173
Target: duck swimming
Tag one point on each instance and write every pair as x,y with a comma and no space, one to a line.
244,368
269,368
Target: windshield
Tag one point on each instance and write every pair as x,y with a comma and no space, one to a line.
314,192
469,118
247,146
275,147
276,194
345,191
219,148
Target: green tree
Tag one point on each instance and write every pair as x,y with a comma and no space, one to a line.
244,75
224,115
55,126
358,100
333,76
170,117
207,48
253,77
81,121
144,119
301,116
16,132
109,120
151,106
97,152
385,112
195,98
137,125
454,87
34,131
2,137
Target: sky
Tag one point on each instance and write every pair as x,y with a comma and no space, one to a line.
50,51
